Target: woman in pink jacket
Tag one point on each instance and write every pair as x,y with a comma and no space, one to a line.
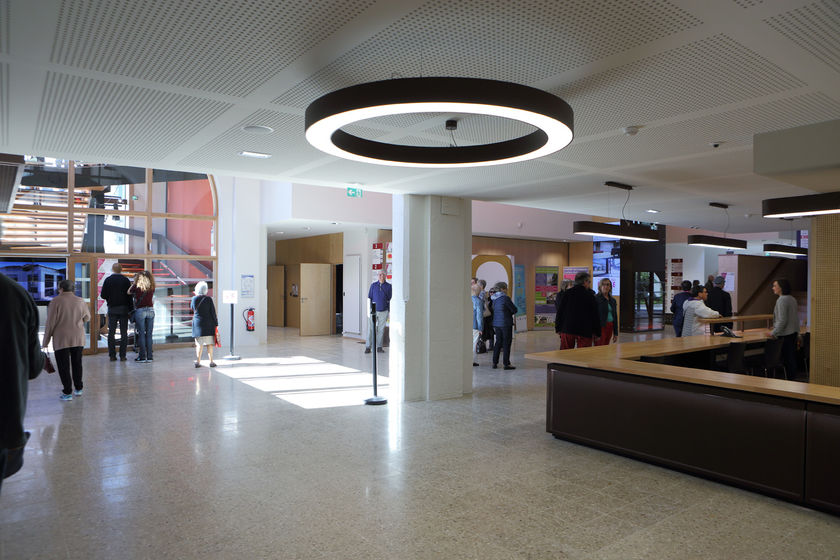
66,317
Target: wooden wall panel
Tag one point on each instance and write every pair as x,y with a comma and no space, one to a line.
530,253
824,260
276,284
580,254
325,249
292,303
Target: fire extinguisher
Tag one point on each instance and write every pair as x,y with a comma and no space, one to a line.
248,315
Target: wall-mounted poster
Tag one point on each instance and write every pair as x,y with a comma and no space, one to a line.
519,298
569,272
545,294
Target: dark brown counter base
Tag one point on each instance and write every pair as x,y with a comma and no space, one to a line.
759,442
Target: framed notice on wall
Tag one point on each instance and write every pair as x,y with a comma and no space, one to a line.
545,294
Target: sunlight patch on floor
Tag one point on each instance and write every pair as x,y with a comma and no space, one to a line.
305,382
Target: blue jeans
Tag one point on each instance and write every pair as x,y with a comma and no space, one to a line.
144,318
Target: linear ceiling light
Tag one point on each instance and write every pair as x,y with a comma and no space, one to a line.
551,116
625,230
633,232
714,241
780,249
795,206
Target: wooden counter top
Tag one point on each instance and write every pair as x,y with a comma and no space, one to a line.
623,358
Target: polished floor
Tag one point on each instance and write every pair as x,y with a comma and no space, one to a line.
275,457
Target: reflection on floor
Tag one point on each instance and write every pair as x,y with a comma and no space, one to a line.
162,460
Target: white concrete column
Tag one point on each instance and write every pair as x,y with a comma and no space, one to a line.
241,250
431,328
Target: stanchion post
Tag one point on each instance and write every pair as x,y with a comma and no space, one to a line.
375,399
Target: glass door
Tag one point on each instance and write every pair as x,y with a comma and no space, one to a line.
649,301
83,274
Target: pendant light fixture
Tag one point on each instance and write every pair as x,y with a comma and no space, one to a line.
790,250
714,241
798,206
551,117
625,230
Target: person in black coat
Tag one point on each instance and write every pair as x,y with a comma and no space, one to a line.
578,314
720,301
204,323
677,306
503,312
115,292
564,285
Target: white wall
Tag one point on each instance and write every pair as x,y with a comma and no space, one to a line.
311,202
242,250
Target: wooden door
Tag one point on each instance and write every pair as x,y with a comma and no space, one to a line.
315,299
276,299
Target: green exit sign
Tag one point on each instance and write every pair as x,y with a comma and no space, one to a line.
354,192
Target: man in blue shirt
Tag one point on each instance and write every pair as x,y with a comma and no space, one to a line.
380,294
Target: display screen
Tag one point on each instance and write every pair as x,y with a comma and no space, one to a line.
39,277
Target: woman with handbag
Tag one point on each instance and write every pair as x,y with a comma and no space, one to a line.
66,317
204,323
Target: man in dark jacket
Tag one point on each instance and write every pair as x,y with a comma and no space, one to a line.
721,302
23,360
115,292
677,306
503,312
578,314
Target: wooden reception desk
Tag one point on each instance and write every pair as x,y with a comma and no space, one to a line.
770,435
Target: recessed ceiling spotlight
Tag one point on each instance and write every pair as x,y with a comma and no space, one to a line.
307,228
334,223
652,211
257,129
630,130
255,155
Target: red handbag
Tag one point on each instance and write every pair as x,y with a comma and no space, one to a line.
217,339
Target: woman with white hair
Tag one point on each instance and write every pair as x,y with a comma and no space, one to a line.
204,323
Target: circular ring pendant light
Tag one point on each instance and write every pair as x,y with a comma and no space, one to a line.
551,116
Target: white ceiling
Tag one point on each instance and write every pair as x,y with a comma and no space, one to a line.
171,83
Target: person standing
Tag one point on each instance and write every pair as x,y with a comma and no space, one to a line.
578,313
487,324
115,292
204,323
143,290
710,283
380,294
786,324
677,306
607,313
696,307
23,360
720,301
503,312
478,318
66,317
564,285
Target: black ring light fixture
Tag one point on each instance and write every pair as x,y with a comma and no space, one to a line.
551,116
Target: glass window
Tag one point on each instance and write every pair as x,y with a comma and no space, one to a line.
182,237
175,282
112,187
182,193
100,233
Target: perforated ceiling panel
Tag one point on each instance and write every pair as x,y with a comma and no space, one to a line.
707,73
479,179
481,129
225,46
284,145
815,28
116,121
746,4
692,136
497,39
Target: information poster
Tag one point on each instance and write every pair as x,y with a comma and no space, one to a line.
545,294
520,299
248,286
569,272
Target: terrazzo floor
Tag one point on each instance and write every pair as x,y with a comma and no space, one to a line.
276,457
